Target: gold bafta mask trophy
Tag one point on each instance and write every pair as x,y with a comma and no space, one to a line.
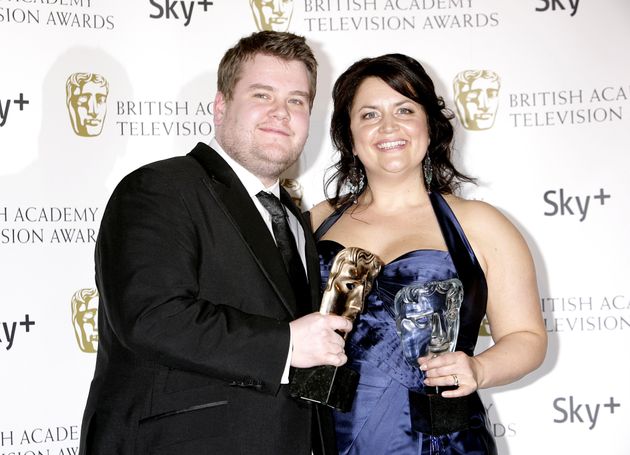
350,281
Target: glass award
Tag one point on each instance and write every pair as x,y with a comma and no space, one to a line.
427,321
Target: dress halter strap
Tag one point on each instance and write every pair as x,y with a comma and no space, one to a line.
469,272
331,219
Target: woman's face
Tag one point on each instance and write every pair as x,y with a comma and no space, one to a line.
389,130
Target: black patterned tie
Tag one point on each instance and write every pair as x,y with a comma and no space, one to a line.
288,249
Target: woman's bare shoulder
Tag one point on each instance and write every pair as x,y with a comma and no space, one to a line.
475,213
319,212
487,228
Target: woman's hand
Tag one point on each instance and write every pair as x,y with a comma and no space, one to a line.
452,369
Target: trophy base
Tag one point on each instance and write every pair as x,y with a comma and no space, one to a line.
436,415
331,386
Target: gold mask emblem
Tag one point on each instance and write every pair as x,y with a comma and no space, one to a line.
86,99
272,15
484,328
295,190
84,304
477,98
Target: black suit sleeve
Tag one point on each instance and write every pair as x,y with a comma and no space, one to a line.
147,261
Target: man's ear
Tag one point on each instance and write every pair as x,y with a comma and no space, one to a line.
218,108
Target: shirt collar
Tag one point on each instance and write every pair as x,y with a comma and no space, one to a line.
252,184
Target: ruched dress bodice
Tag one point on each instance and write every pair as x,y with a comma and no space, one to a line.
390,394
374,340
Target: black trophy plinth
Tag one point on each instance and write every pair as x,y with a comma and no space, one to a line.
331,386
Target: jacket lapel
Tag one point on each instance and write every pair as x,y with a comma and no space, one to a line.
231,196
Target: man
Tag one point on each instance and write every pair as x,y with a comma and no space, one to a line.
86,99
272,14
477,98
199,319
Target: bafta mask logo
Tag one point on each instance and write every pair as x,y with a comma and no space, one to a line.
477,98
272,15
484,328
295,190
86,99
84,304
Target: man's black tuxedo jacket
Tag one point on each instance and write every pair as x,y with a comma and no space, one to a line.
193,320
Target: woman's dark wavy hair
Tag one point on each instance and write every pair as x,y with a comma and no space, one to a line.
405,75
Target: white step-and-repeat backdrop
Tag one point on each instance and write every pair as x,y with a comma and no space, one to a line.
91,89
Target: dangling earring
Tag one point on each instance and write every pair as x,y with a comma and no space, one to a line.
356,179
428,172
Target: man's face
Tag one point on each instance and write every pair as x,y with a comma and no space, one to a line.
478,103
86,325
88,105
272,15
265,124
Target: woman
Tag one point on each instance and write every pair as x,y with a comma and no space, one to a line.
394,137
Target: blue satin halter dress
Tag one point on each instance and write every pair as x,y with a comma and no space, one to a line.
390,413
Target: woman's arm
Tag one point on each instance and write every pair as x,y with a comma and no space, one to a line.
513,309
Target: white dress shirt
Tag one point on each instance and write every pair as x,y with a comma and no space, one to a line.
253,186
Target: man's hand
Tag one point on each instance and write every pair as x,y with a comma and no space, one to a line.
315,341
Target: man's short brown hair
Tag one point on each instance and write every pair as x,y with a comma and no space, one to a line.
284,45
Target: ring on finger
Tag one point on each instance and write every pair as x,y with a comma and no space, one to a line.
455,380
